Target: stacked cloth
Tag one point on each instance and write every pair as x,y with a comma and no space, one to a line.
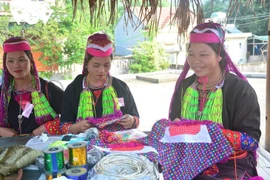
182,155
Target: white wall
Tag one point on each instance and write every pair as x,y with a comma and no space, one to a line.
236,46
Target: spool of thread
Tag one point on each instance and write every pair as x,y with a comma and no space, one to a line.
83,166
77,154
51,176
54,160
77,174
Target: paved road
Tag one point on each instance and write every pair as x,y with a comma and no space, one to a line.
153,99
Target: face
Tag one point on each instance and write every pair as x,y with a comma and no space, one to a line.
18,64
203,60
98,67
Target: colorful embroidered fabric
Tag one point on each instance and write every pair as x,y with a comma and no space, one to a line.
212,109
240,141
111,140
53,127
64,127
183,161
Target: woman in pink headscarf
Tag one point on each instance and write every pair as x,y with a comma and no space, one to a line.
217,91
95,98
24,108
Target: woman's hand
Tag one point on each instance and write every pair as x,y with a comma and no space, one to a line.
79,127
7,132
176,119
38,131
127,121
15,176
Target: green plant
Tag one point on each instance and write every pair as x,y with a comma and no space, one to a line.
149,56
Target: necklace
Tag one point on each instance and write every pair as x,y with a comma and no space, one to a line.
205,91
20,117
203,86
88,85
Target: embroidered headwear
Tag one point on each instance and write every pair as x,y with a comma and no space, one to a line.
43,111
98,45
209,33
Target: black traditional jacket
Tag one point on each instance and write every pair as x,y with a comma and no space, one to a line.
72,93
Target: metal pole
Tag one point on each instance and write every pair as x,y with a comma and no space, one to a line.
267,120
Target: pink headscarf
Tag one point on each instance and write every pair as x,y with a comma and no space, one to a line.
16,46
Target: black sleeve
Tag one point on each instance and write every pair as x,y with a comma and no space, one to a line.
124,92
55,97
130,105
70,100
247,112
175,110
241,110
53,94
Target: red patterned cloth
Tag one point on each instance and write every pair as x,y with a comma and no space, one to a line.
53,127
233,137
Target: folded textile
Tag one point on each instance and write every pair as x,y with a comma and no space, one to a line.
16,157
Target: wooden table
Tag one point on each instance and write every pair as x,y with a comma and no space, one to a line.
11,141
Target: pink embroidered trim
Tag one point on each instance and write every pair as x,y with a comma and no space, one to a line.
204,38
99,53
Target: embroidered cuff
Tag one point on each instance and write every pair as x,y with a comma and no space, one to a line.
53,127
248,143
65,128
240,141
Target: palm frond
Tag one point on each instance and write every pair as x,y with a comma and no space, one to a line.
185,11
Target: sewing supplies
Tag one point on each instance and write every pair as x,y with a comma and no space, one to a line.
106,123
54,165
125,166
52,176
77,173
93,156
77,154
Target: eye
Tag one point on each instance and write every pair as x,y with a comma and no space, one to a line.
204,54
107,65
10,60
22,59
96,65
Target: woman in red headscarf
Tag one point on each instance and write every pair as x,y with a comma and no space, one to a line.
217,91
95,98
24,108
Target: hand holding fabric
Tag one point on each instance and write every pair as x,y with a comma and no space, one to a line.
127,121
79,127
38,131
